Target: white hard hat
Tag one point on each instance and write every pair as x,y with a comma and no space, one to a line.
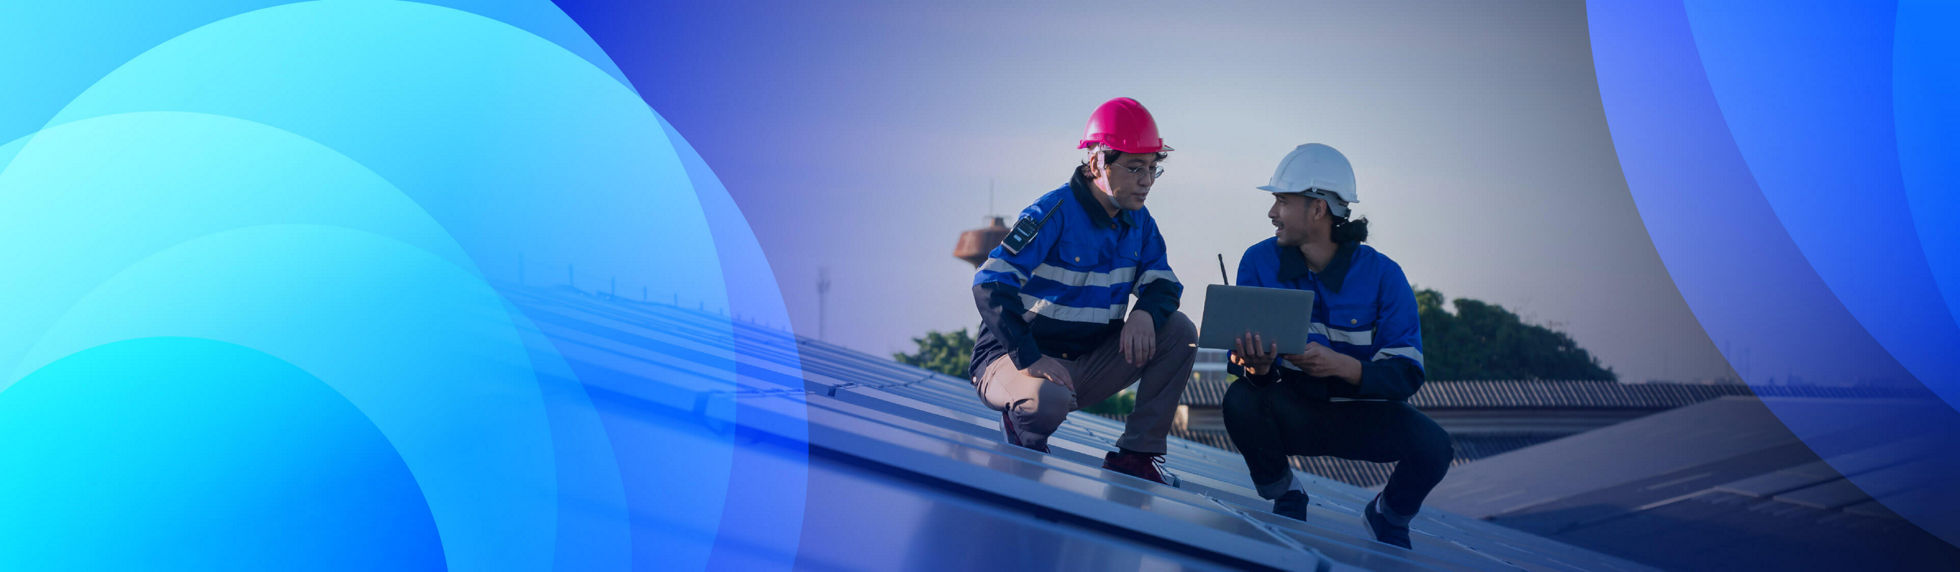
1319,171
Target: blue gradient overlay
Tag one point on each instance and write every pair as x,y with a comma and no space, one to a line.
1794,166
258,319
262,256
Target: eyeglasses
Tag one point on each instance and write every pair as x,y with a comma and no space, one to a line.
1155,172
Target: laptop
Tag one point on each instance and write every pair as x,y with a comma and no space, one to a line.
1279,315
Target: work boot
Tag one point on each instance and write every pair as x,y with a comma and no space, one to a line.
1382,527
1144,466
1291,505
1014,434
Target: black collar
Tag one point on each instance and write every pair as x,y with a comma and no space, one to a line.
1086,196
1293,264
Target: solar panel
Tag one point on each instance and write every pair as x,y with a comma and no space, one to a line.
907,469
1723,484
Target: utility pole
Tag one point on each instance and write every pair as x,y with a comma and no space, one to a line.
823,292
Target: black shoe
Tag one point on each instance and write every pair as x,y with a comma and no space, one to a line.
1291,505
1014,435
1384,531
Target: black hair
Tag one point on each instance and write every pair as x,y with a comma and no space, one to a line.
1346,231
1111,155
1343,231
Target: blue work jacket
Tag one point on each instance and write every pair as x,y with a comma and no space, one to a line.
1363,307
1060,284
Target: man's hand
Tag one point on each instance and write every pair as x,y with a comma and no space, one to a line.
1322,361
1251,353
1052,370
1139,341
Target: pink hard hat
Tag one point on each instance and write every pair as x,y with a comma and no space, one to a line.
1123,125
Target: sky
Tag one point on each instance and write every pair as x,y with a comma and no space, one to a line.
864,141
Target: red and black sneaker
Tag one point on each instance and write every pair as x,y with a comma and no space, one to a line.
1014,435
1141,465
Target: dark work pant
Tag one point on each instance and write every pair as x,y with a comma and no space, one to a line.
1269,423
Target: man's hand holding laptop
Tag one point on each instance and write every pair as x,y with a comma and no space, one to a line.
1322,361
1250,352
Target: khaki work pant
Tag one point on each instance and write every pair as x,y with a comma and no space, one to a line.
1038,406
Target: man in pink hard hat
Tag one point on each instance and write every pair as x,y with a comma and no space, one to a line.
1058,331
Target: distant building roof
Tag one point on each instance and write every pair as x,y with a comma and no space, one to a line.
1477,438
1210,392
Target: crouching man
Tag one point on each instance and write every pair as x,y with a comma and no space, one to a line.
1345,393
1057,332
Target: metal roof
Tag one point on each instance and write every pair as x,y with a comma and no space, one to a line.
1724,485
1521,395
1369,474
1210,392
906,468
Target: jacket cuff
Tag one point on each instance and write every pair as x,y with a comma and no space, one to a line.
1159,299
1261,380
1392,378
1159,309
1025,353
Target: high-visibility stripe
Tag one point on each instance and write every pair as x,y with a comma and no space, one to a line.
1401,351
1149,275
1002,266
1091,315
1079,279
1366,338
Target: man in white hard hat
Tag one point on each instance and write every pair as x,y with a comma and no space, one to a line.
1057,331
1344,394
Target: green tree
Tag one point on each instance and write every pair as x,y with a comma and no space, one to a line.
1485,341
1123,403
947,353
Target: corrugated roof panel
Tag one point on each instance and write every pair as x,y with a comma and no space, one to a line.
1783,481
909,465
